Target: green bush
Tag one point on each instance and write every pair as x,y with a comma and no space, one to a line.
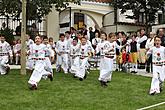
8,35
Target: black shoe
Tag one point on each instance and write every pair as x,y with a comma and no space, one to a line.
153,93
132,71
74,76
33,87
135,72
161,89
81,79
85,76
7,70
116,70
102,84
50,77
105,84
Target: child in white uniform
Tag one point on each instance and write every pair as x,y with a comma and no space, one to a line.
49,55
74,52
107,51
85,52
62,50
158,59
38,51
17,51
5,52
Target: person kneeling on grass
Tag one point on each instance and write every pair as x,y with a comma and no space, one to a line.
158,58
37,52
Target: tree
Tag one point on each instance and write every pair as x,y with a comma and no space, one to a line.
148,7
36,9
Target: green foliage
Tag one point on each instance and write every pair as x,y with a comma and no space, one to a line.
124,92
36,9
10,8
150,8
8,34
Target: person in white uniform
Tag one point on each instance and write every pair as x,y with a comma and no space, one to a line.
17,51
29,62
62,50
69,40
85,52
5,52
158,61
49,55
74,52
38,51
107,52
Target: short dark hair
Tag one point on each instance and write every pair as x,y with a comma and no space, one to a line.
122,33
156,37
76,39
68,32
104,33
45,37
62,34
83,38
142,29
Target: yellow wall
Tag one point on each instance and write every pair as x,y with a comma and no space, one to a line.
94,11
53,24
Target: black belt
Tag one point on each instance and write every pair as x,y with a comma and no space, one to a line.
38,58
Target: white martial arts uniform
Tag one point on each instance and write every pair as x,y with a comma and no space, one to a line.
83,60
74,58
158,60
49,53
5,51
17,50
69,42
96,41
106,61
38,56
29,62
62,50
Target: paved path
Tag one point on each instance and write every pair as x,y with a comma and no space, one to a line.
141,72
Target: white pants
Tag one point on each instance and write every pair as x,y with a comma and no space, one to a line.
17,57
106,67
39,71
62,60
80,73
158,77
29,63
48,65
75,65
3,64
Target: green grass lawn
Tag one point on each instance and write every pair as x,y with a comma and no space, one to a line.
125,92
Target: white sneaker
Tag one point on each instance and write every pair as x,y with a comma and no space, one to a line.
3,73
66,72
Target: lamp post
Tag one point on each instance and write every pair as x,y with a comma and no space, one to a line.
23,39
